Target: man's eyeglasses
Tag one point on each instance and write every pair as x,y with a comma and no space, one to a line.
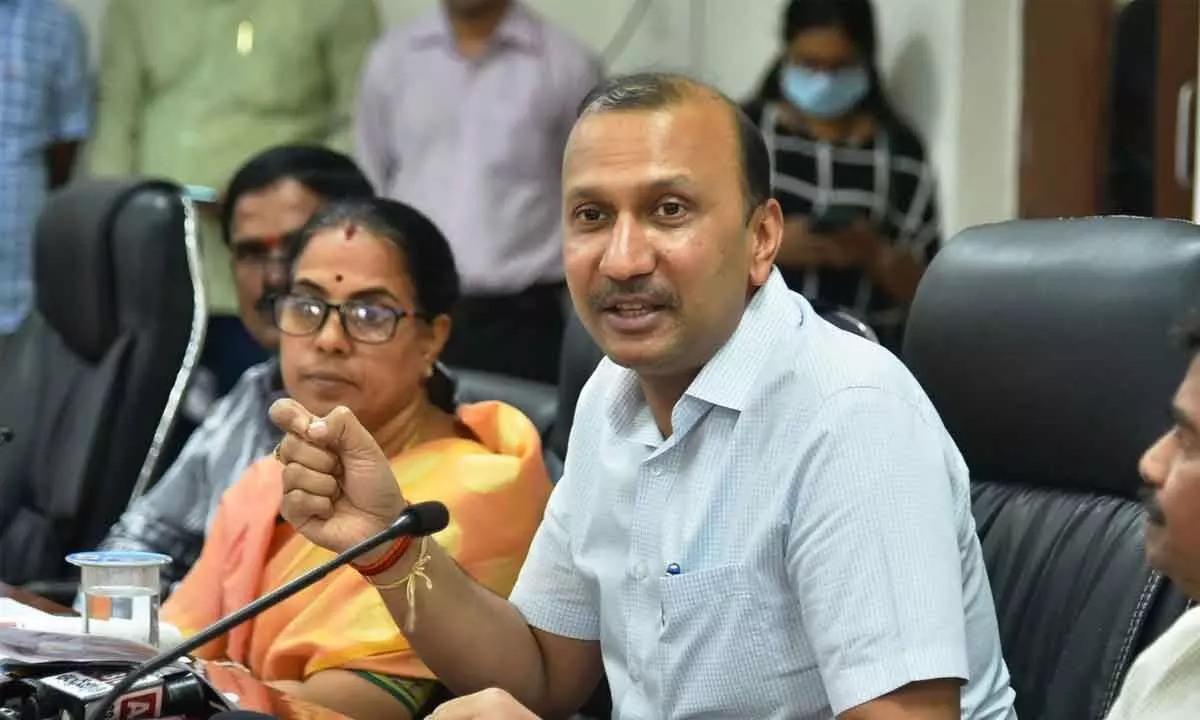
302,315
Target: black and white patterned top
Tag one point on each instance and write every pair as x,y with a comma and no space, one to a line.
886,177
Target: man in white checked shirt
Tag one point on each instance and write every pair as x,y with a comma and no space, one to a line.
760,517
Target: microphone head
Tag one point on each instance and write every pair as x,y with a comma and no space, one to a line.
427,518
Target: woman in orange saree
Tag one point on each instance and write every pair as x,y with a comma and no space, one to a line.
387,274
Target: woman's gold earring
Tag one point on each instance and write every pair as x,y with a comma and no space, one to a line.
428,372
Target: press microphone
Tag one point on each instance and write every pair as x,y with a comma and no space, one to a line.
6,435
70,695
417,520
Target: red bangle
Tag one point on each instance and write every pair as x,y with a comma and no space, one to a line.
386,562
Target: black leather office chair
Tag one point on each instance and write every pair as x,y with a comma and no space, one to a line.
91,381
535,399
550,407
579,358
1044,346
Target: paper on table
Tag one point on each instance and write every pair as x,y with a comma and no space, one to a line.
15,614
12,610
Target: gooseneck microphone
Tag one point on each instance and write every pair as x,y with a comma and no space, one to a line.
417,520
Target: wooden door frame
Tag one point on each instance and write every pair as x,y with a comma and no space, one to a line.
1065,74
1176,69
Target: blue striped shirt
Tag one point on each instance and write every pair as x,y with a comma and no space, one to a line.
45,97
802,543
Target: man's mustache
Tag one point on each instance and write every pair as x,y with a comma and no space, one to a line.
613,292
1154,511
265,305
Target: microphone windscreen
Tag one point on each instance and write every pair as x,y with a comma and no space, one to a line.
429,517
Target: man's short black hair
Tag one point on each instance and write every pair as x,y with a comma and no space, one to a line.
653,91
326,173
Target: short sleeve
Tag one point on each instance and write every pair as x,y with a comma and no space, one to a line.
873,549
71,100
551,592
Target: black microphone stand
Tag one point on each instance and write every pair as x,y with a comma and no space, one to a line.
420,519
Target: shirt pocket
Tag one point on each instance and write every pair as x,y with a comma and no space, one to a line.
283,67
714,657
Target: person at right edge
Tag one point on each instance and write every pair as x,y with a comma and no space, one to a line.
761,516
1164,681
858,195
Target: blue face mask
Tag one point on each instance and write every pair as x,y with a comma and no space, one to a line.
824,94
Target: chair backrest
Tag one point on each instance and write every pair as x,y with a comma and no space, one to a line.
843,318
579,358
535,399
92,380
1045,347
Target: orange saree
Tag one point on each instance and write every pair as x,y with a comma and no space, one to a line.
496,490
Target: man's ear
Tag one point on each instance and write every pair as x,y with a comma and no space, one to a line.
766,236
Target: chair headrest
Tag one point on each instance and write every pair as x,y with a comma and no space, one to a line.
1045,345
580,355
73,262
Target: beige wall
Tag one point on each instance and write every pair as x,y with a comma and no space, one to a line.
953,67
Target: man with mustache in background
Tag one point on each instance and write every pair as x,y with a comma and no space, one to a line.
1164,682
268,198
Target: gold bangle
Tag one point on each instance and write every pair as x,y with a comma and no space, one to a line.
409,583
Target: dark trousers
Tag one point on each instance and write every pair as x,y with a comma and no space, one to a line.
518,335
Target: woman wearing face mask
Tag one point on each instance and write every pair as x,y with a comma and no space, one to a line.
852,177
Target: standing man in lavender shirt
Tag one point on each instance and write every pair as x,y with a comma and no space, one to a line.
464,114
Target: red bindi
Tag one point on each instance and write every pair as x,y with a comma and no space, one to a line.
351,231
338,278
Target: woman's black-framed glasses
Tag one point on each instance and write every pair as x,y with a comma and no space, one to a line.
302,315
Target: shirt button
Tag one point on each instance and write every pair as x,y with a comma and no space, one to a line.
634,675
639,571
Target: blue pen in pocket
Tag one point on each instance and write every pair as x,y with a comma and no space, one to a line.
673,569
